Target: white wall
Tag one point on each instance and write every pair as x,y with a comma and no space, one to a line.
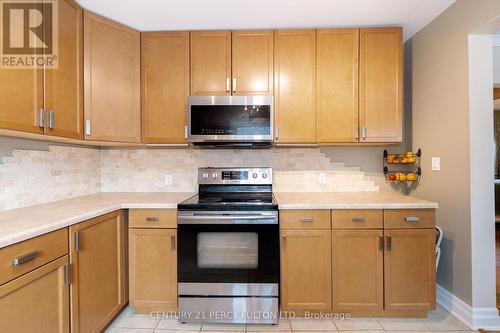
496,65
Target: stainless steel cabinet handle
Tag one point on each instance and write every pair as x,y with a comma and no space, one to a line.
234,84
306,219
41,118
24,258
358,219
67,274
276,132
88,128
51,119
389,243
364,133
152,219
356,131
381,243
228,84
412,219
284,242
172,240
77,241
185,132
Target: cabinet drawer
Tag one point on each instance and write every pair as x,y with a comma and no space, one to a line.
409,218
152,218
305,219
23,257
357,219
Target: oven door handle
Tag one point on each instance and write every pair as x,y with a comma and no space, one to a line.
225,219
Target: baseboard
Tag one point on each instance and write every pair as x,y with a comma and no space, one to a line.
474,318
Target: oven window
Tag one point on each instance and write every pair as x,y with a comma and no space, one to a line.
239,250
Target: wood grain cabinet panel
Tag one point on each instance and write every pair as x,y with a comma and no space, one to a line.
337,85
112,80
357,219
409,218
165,86
381,84
410,269
357,270
210,63
153,270
64,85
295,86
306,277
152,218
32,253
305,219
252,62
37,301
97,254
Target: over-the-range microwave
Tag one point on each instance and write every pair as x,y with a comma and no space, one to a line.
230,121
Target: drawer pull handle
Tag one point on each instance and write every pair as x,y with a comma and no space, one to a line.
152,219
358,219
24,258
412,219
306,219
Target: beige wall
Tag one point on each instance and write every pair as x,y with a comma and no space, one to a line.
440,126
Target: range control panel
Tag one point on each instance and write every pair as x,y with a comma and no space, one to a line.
240,176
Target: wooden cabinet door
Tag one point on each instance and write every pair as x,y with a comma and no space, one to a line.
98,261
112,80
337,85
165,86
306,276
381,84
211,63
64,85
357,270
295,86
21,96
410,269
252,62
43,295
153,270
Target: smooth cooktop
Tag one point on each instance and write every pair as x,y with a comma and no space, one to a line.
230,201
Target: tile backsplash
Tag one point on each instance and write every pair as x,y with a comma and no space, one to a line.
295,169
30,177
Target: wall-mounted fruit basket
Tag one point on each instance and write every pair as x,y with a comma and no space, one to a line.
402,167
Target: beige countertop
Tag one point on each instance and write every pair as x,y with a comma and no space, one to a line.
23,223
349,200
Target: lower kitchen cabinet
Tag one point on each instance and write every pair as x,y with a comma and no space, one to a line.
37,301
306,276
357,266
98,288
410,269
153,269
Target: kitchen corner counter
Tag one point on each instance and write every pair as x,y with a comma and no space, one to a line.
349,200
20,224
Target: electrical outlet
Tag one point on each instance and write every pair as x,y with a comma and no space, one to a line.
168,180
436,164
322,178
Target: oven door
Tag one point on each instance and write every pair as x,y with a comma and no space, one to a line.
230,118
228,248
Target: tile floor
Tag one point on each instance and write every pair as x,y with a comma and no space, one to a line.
438,321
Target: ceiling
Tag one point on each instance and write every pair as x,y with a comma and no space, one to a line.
156,15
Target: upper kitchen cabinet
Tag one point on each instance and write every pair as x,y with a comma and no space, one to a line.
252,62
112,80
295,86
165,86
337,85
49,100
210,63
64,84
381,84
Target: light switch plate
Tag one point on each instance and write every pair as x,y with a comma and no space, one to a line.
436,164
168,180
322,178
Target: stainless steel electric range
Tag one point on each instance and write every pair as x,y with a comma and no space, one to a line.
228,255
